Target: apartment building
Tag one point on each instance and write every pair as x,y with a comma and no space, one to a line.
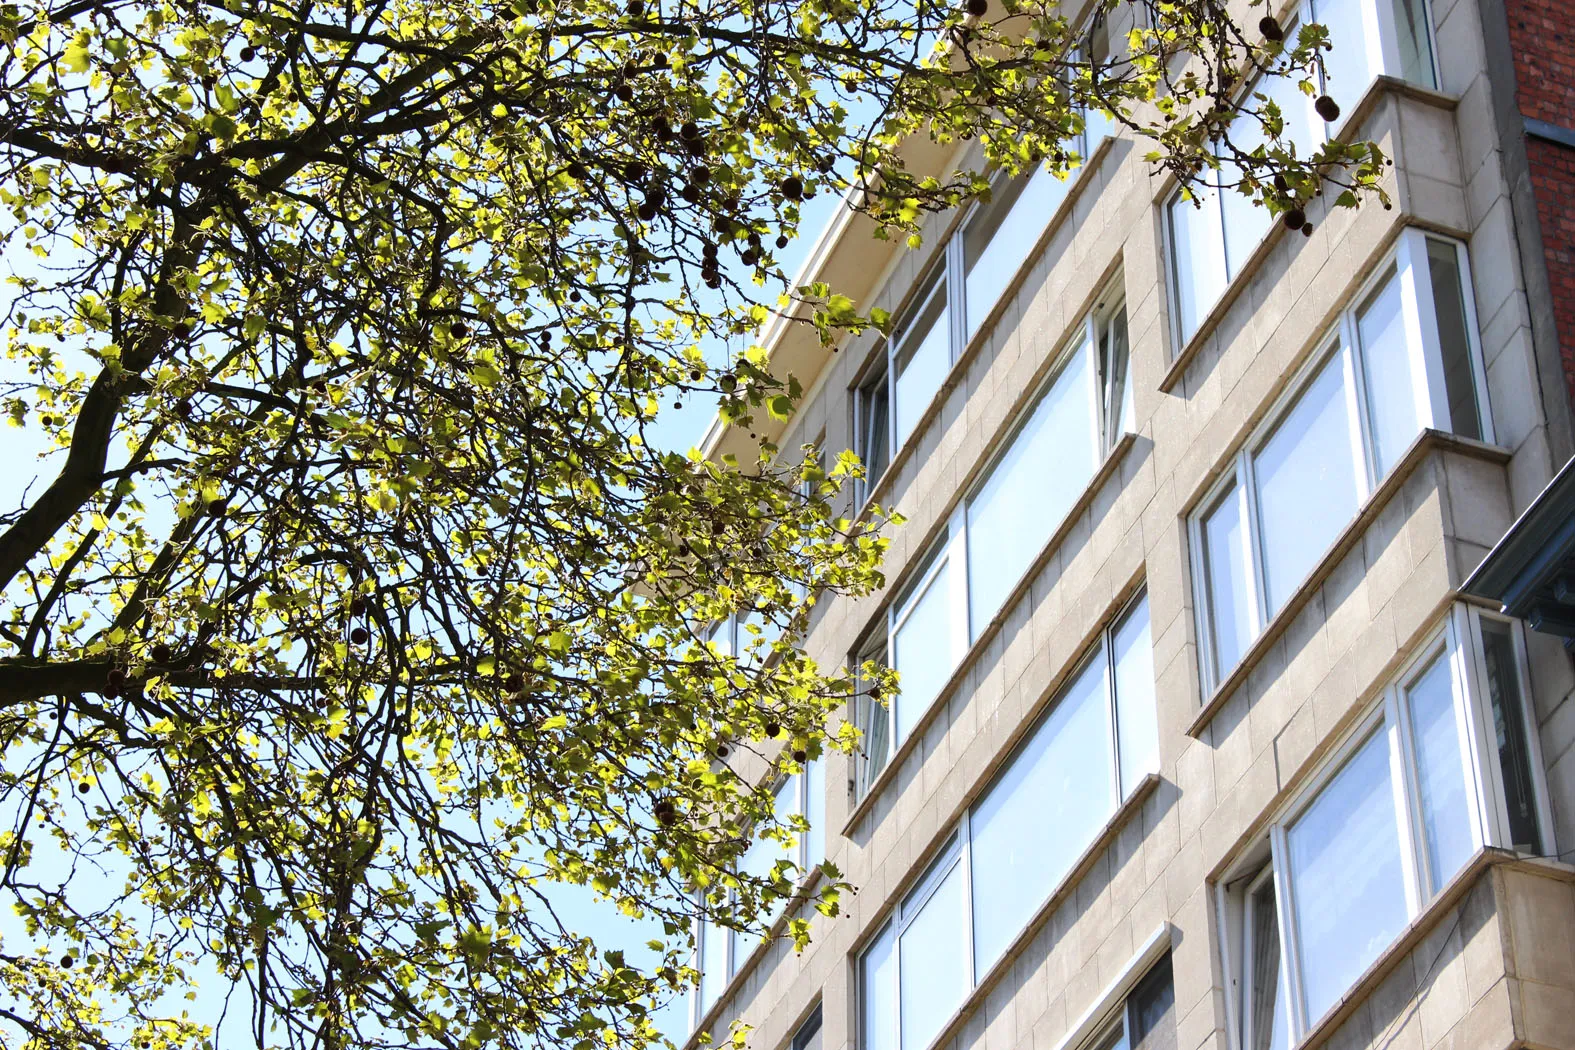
1216,729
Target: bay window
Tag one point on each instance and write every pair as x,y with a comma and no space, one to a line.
1017,844
998,532
1418,787
1404,359
1213,234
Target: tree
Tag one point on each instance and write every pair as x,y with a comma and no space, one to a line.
360,608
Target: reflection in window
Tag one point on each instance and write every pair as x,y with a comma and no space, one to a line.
1344,862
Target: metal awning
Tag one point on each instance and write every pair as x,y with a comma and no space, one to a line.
1531,573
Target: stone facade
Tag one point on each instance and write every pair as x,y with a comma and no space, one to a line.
1490,961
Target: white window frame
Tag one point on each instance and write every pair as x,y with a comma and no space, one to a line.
1459,640
1406,263
1380,38
959,845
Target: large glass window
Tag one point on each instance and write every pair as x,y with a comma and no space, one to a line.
1048,462
1355,859
1213,235
1379,379
1147,1019
1019,841
914,975
1092,748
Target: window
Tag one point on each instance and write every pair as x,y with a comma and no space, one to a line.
1048,463
999,531
921,639
721,951
1401,810
808,1035
1405,358
1146,1020
952,303
1212,237
1089,751
1016,844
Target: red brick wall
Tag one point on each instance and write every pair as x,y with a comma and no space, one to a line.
1542,35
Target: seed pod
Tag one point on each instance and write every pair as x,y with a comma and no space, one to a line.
1269,26
359,635
792,189
1327,108
1295,219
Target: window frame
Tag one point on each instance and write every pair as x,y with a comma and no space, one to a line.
948,269
950,550
957,849
1457,641
1406,263
1382,53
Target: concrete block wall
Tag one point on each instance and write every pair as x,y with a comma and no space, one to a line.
1381,595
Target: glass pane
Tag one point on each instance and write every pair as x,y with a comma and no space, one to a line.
874,722
1347,66
934,963
1041,813
815,813
808,1035
1307,489
1001,236
1414,42
1114,377
1043,472
721,636
1509,735
1386,370
878,994
875,428
1441,779
1225,570
713,963
1151,1015
921,652
1443,264
1197,258
924,356
1265,1020
1347,878
1137,731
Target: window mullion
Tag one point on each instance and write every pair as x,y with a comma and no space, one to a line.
1421,331
957,568
1091,348
965,832
1247,507
1290,945
1380,37
1408,803
1361,443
